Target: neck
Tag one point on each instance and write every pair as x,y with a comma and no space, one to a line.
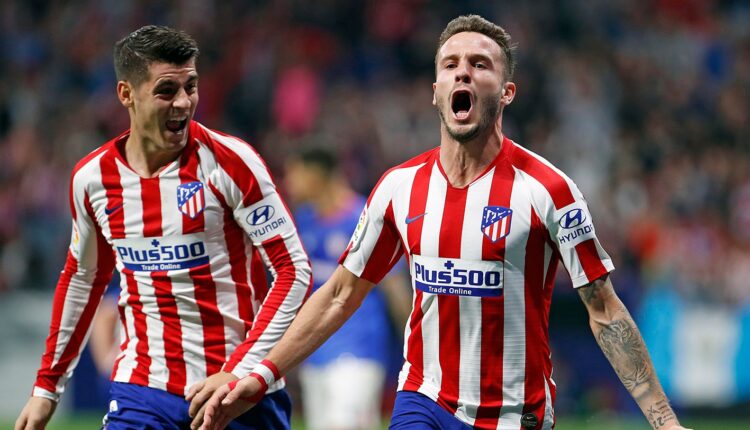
332,199
145,157
464,162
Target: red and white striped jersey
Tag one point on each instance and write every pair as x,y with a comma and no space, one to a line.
190,245
483,260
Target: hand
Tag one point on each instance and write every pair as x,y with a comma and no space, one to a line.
200,392
35,414
226,404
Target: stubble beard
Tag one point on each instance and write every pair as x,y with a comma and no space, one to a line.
489,116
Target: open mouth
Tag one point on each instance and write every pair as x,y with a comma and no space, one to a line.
176,125
461,104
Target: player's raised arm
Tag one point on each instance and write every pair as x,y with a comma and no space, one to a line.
326,311
622,344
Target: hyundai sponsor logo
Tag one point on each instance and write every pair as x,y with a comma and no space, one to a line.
573,218
261,215
262,231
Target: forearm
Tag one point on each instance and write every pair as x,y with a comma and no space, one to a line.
622,344
323,314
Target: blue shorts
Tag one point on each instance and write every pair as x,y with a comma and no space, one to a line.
415,411
144,408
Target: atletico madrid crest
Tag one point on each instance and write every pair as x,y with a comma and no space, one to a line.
190,198
496,222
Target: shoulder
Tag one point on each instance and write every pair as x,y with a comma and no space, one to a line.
219,142
88,167
556,183
405,171
232,155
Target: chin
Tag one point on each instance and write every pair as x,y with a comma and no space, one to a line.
464,133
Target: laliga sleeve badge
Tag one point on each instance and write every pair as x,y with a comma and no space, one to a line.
359,232
75,241
529,421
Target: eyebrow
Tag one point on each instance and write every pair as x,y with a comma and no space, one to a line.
471,57
170,81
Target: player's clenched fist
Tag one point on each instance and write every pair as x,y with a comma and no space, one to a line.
231,401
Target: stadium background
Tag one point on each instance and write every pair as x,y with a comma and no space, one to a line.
644,103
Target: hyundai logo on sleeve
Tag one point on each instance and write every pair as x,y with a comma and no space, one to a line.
573,218
261,215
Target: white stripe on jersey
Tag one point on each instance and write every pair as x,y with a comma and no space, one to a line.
125,361
401,213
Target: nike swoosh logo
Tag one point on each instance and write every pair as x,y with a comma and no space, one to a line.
111,210
412,219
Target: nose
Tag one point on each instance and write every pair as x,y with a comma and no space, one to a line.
181,100
462,73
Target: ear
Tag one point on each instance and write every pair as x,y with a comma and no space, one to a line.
125,93
434,99
508,93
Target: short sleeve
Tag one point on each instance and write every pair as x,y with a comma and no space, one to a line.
571,228
375,246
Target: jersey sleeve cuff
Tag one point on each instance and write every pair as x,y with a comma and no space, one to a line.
585,279
41,392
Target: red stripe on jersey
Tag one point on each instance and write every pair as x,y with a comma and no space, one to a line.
151,198
384,255
189,173
213,323
590,260
113,189
537,300
234,237
173,352
276,250
491,364
143,359
415,345
448,306
555,184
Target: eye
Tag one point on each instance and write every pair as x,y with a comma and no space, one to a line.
191,88
480,65
164,91
450,66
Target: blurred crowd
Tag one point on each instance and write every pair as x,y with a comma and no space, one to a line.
645,103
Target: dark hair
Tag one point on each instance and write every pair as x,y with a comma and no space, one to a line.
319,157
152,43
477,24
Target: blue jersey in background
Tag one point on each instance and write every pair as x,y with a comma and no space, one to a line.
368,333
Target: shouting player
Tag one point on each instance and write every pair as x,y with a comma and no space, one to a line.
483,223
190,218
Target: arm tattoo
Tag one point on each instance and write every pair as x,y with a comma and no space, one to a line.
659,414
622,344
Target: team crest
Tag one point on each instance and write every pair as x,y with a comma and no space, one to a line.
190,198
496,222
